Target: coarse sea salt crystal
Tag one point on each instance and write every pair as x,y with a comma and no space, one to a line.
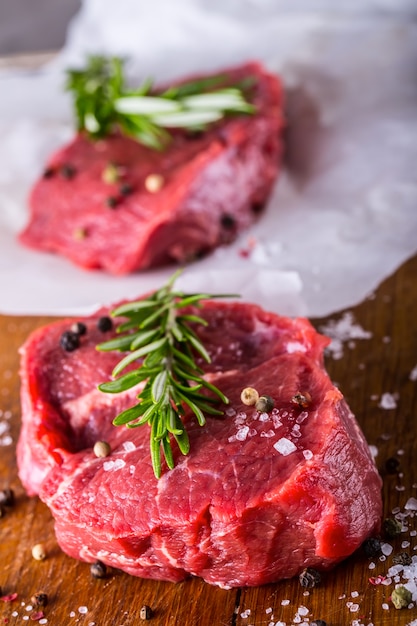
264,417
307,454
267,433
302,417
284,446
245,614
411,504
113,465
374,451
285,602
342,330
386,549
388,401
129,446
295,346
276,421
303,610
242,433
83,610
413,373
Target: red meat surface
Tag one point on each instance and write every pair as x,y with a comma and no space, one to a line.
215,185
259,497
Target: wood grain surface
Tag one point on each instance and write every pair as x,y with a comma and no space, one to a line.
369,368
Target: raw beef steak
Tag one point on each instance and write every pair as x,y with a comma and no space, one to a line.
214,184
260,495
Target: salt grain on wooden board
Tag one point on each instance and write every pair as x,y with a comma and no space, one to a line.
388,401
411,504
386,549
343,330
5,438
413,373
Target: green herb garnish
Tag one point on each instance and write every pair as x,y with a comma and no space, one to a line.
103,102
158,331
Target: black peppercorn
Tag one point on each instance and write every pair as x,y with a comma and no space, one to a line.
264,404
49,172
402,558
257,207
98,570
7,497
79,328
126,189
391,465
392,527
67,171
309,577
70,341
111,202
227,221
372,547
39,599
104,324
145,612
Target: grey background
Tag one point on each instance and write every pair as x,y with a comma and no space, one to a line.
34,25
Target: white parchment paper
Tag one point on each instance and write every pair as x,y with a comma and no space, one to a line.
343,214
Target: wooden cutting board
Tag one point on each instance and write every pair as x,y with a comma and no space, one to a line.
369,367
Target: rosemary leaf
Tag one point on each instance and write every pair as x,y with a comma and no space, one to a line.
162,349
103,103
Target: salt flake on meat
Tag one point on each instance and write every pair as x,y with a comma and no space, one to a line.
285,446
113,465
129,446
242,433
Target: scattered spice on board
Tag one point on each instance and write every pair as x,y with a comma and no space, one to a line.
343,330
146,612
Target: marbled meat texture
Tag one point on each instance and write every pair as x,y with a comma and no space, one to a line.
258,498
215,184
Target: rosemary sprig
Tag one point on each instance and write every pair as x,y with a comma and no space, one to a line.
102,103
157,332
